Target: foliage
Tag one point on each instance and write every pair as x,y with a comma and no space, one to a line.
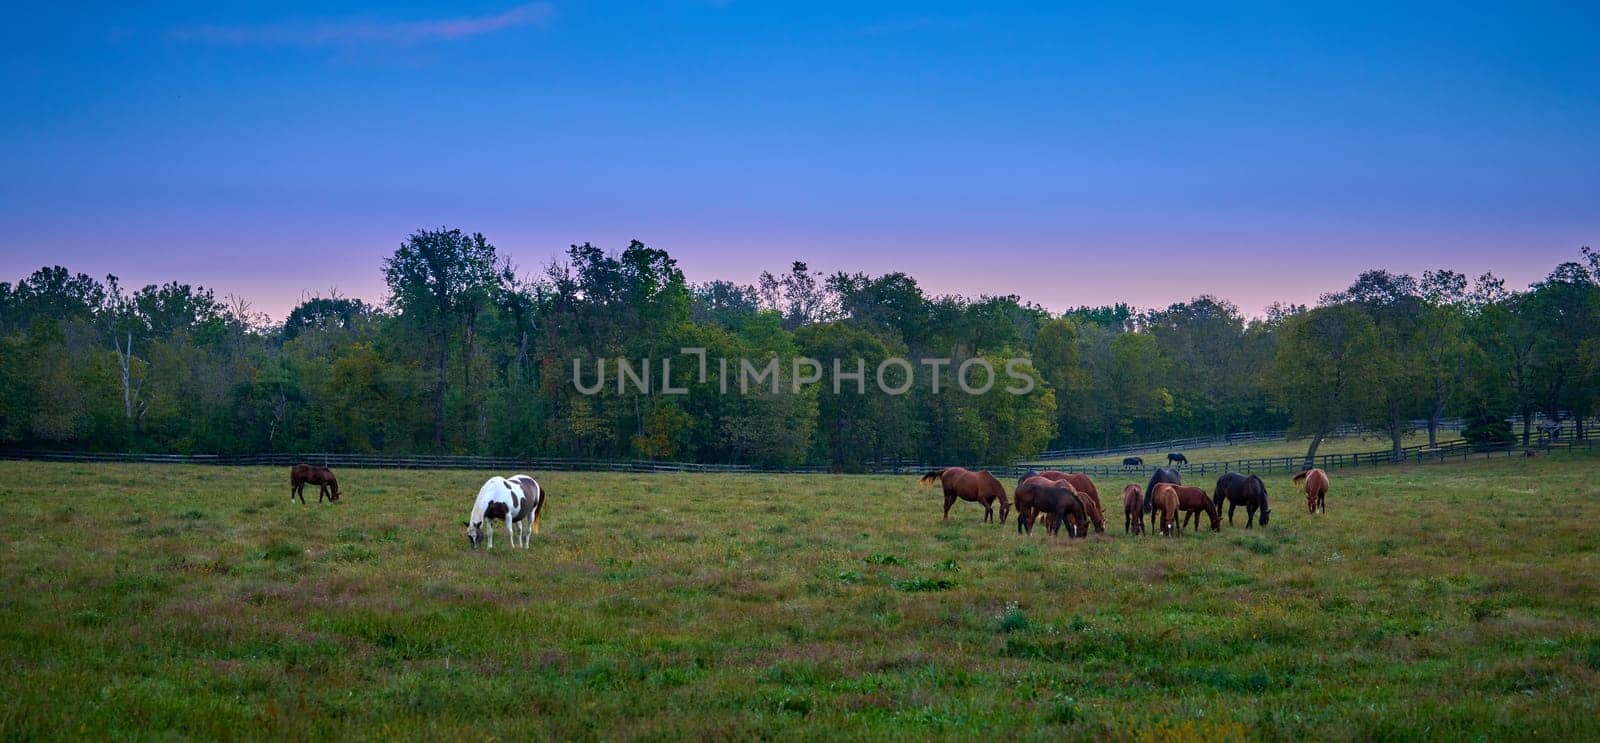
468,356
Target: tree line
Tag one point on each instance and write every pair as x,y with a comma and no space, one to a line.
470,355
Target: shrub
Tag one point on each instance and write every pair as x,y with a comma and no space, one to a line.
924,584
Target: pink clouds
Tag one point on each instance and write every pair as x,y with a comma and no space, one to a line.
349,32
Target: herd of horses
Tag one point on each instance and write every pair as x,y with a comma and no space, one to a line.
1071,500
1173,458
1062,499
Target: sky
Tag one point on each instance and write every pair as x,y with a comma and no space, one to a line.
1068,153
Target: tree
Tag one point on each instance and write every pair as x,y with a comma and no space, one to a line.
800,296
439,276
1396,390
1325,363
1442,342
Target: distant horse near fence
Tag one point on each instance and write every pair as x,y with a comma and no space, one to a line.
1177,458
1133,461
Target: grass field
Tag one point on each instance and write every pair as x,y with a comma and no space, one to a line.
1443,601
1285,448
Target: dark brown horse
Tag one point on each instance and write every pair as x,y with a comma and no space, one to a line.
1315,483
322,477
1164,505
1193,501
1161,475
1240,490
976,486
1132,510
1054,500
1086,490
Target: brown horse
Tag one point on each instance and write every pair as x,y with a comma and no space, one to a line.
322,477
1056,501
1164,504
1132,510
976,486
1315,483
1086,490
1193,501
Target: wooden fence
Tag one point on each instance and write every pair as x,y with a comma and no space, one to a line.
1457,450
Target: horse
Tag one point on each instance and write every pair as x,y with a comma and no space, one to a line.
517,499
1133,461
1193,501
1315,483
976,486
322,477
1086,490
1240,490
1132,510
1177,457
1054,499
1161,475
1165,503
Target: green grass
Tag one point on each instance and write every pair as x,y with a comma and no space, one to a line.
1455,602
1264,449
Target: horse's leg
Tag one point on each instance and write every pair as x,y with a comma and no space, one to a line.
1231,506
949,500
1250,512
510,531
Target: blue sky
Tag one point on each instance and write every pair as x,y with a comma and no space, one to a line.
1068,153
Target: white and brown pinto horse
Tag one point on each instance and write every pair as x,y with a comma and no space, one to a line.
517,499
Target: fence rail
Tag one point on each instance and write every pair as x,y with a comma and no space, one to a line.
1542,427
1260,465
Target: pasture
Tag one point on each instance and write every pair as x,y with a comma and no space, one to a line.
1263,449
1445,601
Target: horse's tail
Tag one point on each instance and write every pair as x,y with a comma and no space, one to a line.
1300,479
933,475
544,505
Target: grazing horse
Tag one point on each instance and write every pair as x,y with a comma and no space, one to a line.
322,477
1057,501
1315,483
1133,461
1177,457
976,486
1161,475
1240,490
1165,503
1193,501
517,499
1086,490
1132,510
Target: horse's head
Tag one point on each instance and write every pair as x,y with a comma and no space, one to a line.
474,533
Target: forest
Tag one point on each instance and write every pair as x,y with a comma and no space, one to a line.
468,354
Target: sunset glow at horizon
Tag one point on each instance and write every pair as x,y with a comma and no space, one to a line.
1068,154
